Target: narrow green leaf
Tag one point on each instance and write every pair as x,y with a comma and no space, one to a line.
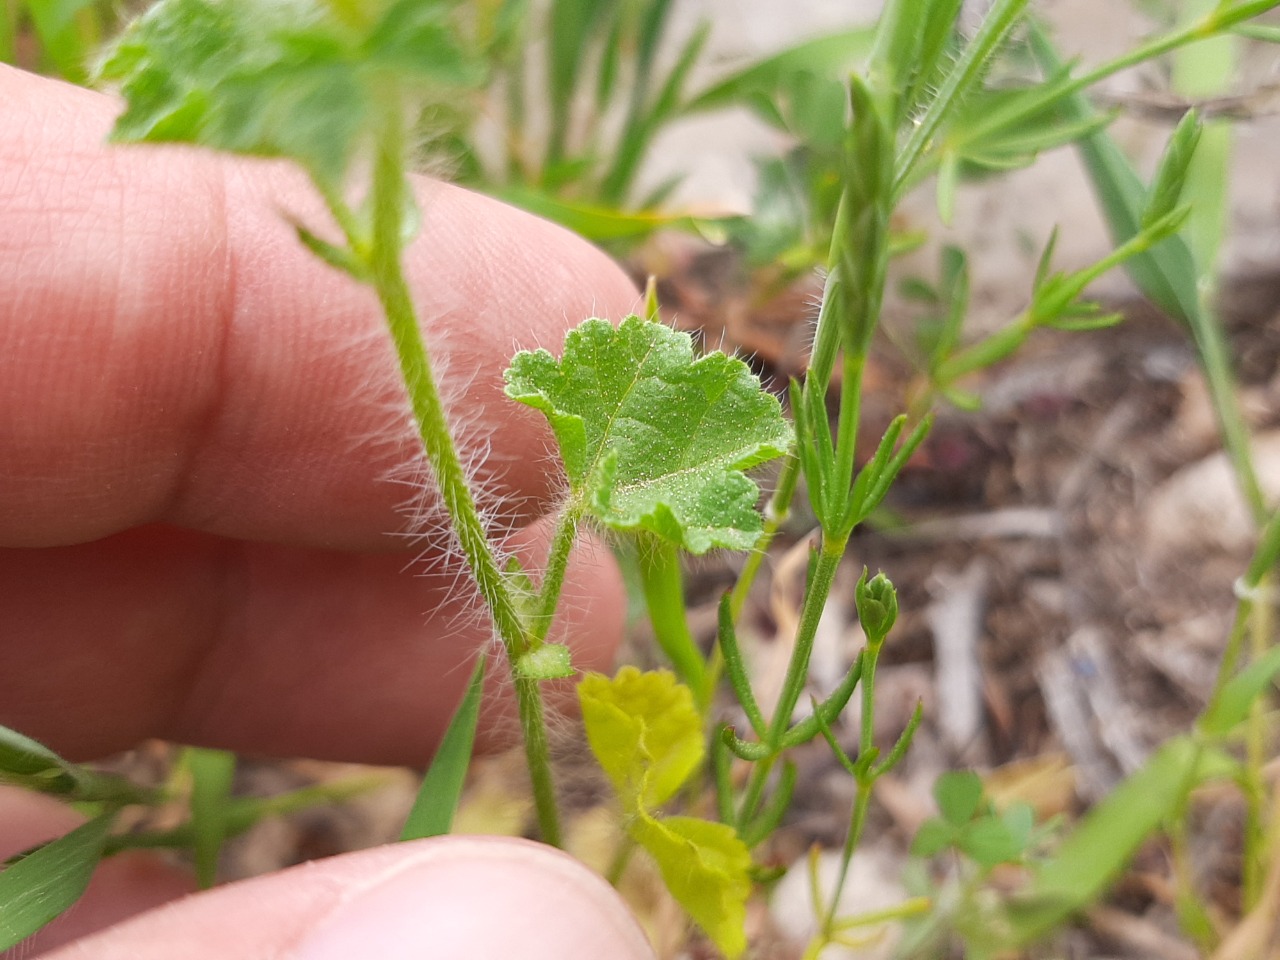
775,809
645,732
902,744
1171,174
598,223
706,868
827,711
340,258
43,883
441,789
572,26
653,439
644,123
1110,834
1239,694
212,773
832,55
25,757
735,668
967,72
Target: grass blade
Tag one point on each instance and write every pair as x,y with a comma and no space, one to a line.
831,54
212,773
1111,833
437,801
43,883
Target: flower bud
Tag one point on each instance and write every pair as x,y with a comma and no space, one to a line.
877,602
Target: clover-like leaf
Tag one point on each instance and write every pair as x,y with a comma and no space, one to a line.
652,438
644,730
277,78
706,868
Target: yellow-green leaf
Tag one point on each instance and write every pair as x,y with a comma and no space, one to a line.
705,866
645,731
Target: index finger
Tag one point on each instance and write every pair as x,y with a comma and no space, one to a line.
169,353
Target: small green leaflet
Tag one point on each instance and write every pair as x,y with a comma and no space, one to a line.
652,438
278,78
37,887
646,732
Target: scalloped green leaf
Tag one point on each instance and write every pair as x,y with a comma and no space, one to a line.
645,731
707,869
652,438
277,78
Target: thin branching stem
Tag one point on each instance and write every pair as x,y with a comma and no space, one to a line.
386,246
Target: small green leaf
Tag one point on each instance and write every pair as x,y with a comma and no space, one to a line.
645,731
706,868
1171,175
959,795
275,79
934,836
40,885
549,662
437,800
653,439
989,841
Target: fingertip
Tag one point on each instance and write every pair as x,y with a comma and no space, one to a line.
471,897
444,898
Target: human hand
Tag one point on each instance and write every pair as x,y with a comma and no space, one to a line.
198,538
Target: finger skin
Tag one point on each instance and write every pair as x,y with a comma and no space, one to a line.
259,648
200,429
446,898
169,352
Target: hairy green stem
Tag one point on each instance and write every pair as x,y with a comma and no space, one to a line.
553,578
996,25
386,244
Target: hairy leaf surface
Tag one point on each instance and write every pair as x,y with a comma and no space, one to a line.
652,438
276,78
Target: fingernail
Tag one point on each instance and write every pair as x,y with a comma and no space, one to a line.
479,897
